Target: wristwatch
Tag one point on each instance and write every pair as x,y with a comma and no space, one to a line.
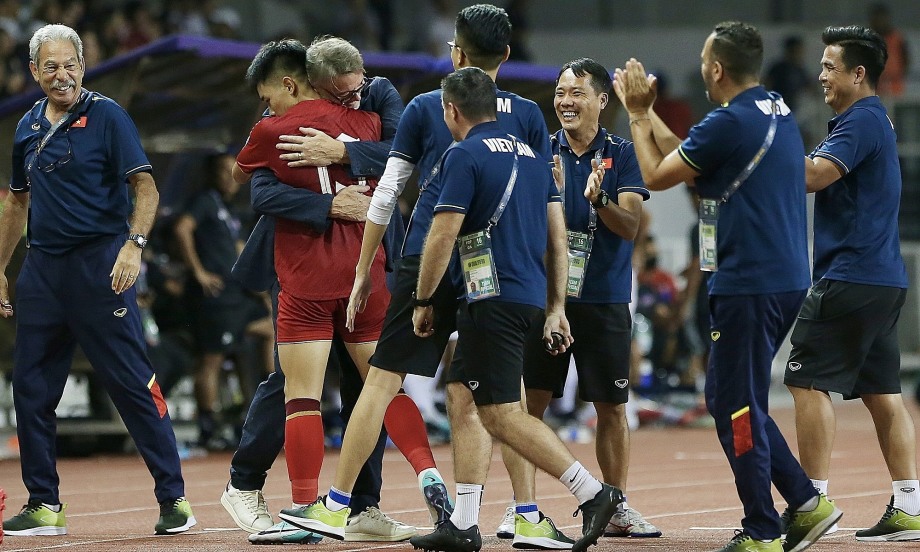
601,201
416,302
139,240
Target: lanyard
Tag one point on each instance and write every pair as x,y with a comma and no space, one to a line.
54,128
767,142
509,188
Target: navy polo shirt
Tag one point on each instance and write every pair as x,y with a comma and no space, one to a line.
609,275
422,137
474,177
78,183
856,217
762,241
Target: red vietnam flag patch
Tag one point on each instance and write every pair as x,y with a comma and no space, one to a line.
79,123
607,163
741,431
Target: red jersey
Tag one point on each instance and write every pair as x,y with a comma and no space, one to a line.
312,265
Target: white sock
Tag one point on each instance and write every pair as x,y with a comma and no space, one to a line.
528,510
466,509
809,505
580,482
820,485
337,500
53,508
907,496
295,506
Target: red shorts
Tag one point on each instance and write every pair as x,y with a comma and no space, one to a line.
302,320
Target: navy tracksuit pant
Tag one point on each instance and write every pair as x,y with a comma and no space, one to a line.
747,331
66,300
263,430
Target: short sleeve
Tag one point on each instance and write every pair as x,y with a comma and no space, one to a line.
18,182
538,135
628,175
705,147
255,154
407,143
851,141
458,181
124,142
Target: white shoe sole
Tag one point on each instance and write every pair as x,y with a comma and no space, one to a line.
182,528
37,532
369,537
315,526
900,536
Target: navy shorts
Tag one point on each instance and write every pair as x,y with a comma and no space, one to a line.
846,340
399,349
490,349
602,335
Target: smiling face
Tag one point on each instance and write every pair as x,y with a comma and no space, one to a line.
839,83
578,106
59,73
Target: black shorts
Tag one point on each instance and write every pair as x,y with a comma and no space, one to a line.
399,349
602,335
220,322
845,340
490,350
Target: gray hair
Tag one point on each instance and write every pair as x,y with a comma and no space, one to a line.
330,56
53,33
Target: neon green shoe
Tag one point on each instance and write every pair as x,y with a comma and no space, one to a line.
542,535
175,517
895,525
742,542
319,519
36,519
805,527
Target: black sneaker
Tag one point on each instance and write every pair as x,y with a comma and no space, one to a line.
447,538
596,514
785,520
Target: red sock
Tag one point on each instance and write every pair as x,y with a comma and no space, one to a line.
406,428
303,448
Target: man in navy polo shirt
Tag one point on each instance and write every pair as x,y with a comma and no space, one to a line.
74,155
744,159
602,193
499,196
846,337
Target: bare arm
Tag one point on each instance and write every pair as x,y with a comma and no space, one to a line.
557,272
212,284
660,171
15,213
621,218
128,263
821,173
439,246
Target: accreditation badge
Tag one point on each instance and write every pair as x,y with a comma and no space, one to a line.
478,265
579,253
709,219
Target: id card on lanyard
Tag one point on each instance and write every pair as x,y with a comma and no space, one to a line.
476,260
580,243
709,208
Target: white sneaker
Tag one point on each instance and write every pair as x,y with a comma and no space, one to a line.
247,508
630,523
372,525
506,527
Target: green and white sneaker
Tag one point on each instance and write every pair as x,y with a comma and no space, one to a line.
806,527
175,517
36,519
895,525
542,535
742,542
319,519
284,533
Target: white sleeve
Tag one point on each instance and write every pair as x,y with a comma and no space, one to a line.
388,189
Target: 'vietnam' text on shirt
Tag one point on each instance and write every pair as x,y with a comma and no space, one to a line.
502,145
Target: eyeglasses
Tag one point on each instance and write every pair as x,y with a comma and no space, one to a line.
348,95
60,162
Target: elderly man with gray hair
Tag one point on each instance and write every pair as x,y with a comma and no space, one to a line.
76,153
